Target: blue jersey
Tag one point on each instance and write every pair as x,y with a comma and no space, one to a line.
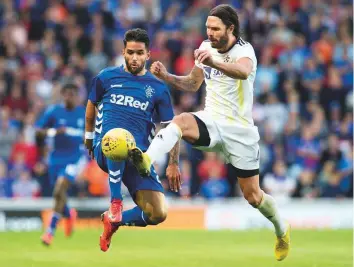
131,102
68,146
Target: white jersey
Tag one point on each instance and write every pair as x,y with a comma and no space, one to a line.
228,98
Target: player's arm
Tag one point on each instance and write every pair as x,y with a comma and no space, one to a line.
90,116
189,83
172,171
240,69
95,96
45,127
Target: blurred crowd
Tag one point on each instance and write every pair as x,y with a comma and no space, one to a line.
303,90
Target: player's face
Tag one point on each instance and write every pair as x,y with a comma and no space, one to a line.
135,55
70,98
217,32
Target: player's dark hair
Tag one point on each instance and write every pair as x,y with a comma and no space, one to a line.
137,35
229,17
70,86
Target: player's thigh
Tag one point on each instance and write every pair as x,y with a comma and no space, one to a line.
151,202
134,182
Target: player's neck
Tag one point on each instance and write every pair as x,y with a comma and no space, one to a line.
232,41
69,107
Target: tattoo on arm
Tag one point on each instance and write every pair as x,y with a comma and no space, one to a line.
190,83
174,154
184,83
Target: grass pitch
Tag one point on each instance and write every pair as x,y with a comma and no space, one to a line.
177,248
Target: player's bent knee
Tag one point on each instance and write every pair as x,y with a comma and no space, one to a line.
178,120
158,216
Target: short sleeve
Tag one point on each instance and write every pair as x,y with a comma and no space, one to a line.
97,90
246,50
202,46
164,106
46,120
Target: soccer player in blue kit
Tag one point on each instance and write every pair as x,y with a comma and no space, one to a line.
130,97
63,126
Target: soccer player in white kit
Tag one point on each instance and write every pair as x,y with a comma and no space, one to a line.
228,65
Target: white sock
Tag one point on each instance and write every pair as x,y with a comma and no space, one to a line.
164,141
268,208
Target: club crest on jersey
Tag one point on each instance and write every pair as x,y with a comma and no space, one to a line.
149,91
227,58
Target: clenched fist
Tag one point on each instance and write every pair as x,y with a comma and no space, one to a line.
159,70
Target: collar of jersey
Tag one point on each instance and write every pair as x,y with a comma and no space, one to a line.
234,43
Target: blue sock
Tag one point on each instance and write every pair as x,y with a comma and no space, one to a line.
115,185
66,211
53,223
135,217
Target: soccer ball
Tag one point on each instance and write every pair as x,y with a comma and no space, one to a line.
116,143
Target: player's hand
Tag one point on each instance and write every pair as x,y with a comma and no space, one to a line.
174,177
159,70
204,57
89,147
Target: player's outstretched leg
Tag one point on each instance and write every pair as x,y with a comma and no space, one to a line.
267,206
60,190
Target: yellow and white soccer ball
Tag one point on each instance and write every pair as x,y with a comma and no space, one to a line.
116,143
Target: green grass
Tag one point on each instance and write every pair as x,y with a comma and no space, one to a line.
172,248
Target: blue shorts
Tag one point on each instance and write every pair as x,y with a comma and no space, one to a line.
126,171
68,169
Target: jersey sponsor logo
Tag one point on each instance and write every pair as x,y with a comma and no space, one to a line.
216,73
128,101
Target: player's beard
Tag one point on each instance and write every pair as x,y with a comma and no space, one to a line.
134,71
222,43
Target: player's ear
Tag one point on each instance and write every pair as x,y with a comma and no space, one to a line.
231,29
123,51
148,55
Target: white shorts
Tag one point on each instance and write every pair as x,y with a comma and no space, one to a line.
238,144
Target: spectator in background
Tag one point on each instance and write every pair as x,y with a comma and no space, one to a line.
305,185
267,74
308,151
276,114
25,186
5,181
97,180
216,186
278,183
8,134
97,59
211,164
24,152
332,152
